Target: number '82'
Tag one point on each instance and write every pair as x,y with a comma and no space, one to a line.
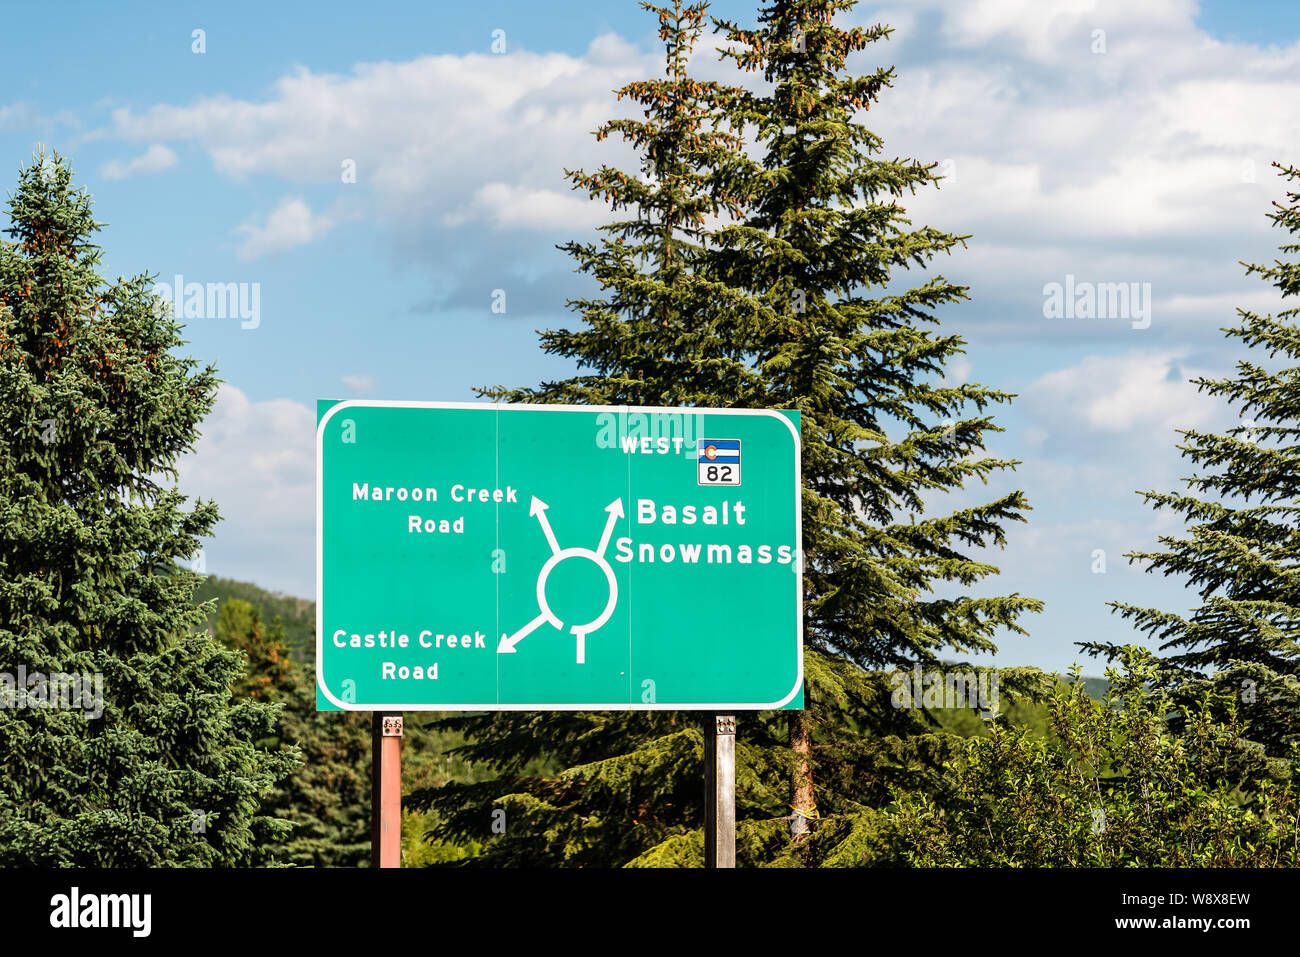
714,474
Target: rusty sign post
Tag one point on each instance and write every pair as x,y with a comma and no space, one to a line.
386,790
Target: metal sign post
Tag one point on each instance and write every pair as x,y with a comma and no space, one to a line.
719,790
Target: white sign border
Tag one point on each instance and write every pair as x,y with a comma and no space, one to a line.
526,407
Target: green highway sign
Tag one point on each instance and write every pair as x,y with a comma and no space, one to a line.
475,556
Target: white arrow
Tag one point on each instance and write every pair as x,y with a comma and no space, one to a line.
538,508
507,645
615,509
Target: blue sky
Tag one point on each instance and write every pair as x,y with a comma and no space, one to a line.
1137,154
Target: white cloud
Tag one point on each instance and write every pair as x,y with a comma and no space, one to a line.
470,109
1060,153
1144,395
957,371
290,224
1048,549
1220,307
516,207
1040,30
154,160
359,384
257,461
1148,163
18,116
425,135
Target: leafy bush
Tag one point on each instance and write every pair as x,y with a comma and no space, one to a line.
1112,786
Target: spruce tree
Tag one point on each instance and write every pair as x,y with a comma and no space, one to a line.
769,308
824,233
643,345
326,798
95,409
1242,542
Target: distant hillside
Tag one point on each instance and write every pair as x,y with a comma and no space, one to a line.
297,614
1096,687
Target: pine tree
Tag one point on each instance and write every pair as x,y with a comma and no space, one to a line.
767,309
1242,545
325,800
95,409
327,796
824,231
651,340
643,345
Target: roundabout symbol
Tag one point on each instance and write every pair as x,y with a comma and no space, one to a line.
547,616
